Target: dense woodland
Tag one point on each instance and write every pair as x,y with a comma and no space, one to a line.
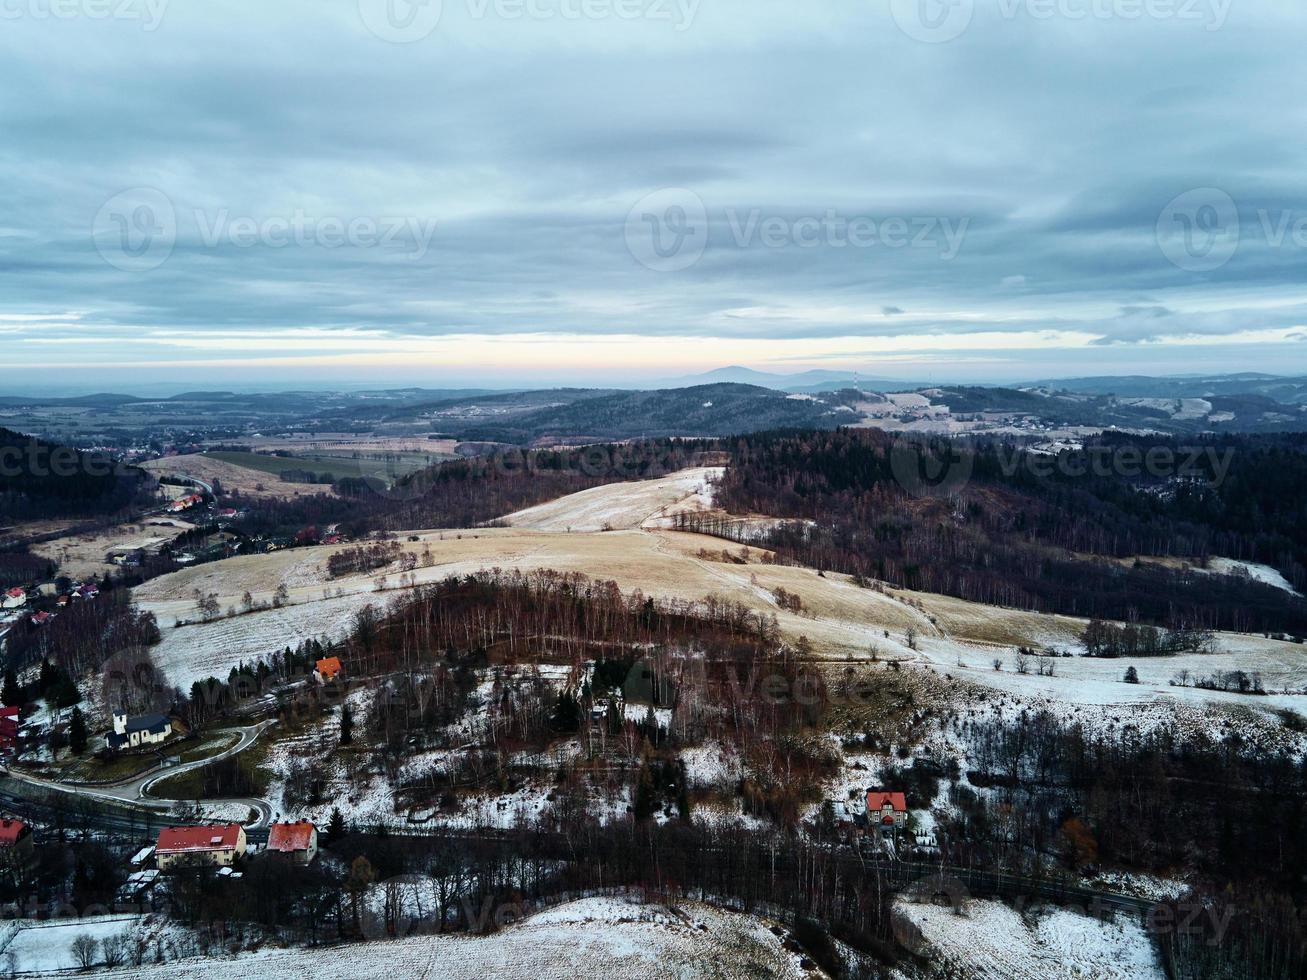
1224,811
1026,539
41,480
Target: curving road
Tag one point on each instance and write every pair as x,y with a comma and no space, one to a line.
134,792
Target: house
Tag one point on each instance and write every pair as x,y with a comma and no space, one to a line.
216,846
88,591
17,845
889,811
299,841
41,618
185,503
325,671
129,733
15,598
9,722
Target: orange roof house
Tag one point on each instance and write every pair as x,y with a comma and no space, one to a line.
299,840
327,670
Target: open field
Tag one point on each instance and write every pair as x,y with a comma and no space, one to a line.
249,482
842,621
374,465
990,940
342,444
593,937
83,555
623,506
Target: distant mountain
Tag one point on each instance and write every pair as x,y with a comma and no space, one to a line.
700,410
808,382
1284,390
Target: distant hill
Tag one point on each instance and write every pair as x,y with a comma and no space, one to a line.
702,410
807,382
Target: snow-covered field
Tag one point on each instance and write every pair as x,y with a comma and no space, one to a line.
596,937
1258,573
991,941
622,505
46,947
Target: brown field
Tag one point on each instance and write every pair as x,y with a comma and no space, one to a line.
359,444
841,621
84,555
251,483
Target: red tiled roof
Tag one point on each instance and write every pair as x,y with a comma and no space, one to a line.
288,837
876,800
10,712
328,667
15,593
10,831
181,840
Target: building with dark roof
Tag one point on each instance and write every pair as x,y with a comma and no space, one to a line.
129,733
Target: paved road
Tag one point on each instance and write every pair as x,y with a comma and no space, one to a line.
134,792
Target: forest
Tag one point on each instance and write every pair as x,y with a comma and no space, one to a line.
1059,538
40,480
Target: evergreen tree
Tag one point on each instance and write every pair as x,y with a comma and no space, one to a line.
11,694
336,825
1131,676
646,797
567,713
346,725
77,732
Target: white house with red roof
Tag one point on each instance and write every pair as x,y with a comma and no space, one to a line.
298,841
216,846
15,598
888,811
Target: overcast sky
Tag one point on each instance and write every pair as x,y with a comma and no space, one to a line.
487,192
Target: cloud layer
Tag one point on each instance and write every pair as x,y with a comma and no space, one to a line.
563,190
